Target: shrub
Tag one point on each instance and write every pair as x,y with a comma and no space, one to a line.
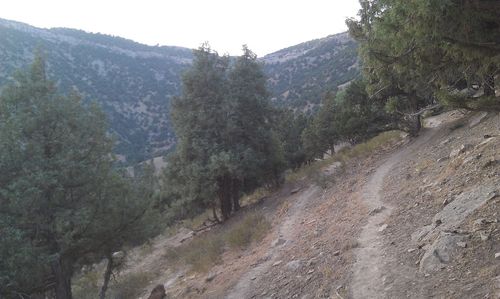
201,253
252,228
129,286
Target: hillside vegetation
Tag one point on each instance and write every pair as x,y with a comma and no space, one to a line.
283,203
300,76
134,83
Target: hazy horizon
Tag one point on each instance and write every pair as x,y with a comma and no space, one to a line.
226,25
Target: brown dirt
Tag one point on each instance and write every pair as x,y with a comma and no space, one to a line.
368,278
310,250
418,187
325,243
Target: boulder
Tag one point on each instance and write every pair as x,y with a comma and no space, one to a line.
454,213
158,292
440,253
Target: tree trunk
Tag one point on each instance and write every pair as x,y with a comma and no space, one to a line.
415,125
225,205
107,276
62,271
214,212
235,194
489,85
225,197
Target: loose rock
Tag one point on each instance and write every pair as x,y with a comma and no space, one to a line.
376,210
210,277
460,150
485,236
382,228
439,253
293,265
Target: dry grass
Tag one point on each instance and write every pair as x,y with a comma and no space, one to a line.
201,253
367,148
252,228
423,165
86,285
254,197
206,250
129,286
361,150
197,221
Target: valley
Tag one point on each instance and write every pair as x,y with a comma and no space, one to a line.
354,237
364,164
134,83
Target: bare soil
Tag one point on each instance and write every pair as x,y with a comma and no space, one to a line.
357,237
419,188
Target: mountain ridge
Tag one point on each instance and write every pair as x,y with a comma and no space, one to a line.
134,82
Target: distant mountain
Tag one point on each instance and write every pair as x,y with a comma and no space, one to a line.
298,76
134,82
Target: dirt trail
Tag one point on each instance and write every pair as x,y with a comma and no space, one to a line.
368,274
248,282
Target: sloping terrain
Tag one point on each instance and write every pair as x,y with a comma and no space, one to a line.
443,235
414,219
299,76
134,83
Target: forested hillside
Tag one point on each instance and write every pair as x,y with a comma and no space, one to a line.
275,207
301,75
134,83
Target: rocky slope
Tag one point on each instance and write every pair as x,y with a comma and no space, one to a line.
134,83
300,75
415,219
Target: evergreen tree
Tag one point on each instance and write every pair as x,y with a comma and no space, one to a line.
324,123
199,118
251,139
357,117
289,127
417,51
311,141
61,202
225,140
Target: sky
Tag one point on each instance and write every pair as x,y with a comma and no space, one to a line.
264,25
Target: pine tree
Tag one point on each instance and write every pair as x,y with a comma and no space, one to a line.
289,127
419,51
61,202
200,164
223,123
251,137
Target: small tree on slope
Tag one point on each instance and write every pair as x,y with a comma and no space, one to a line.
61,202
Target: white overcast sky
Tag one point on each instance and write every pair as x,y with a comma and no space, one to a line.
266,26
